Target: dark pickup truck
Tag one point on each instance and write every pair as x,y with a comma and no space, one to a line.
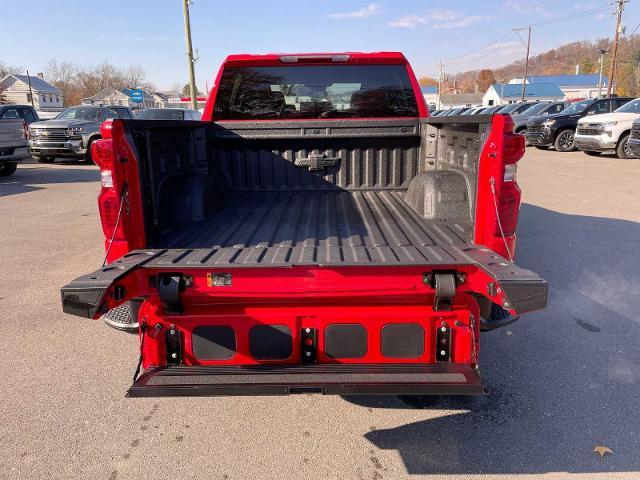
558,130
316,232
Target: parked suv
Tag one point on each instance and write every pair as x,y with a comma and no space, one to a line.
559,130
71,133
633,142
536,109
609,131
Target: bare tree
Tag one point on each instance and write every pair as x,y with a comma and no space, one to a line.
7,69
63,75
133,76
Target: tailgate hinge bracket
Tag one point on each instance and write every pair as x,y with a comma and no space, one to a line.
444,284
169,286
174,346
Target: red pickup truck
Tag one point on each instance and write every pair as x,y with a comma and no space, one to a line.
316,232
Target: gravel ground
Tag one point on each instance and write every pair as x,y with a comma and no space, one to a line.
561,381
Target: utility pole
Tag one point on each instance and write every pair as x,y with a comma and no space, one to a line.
440,86
526,62
192,74
614,54
30,91
603,52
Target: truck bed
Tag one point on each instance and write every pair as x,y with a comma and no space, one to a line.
335,228
236,194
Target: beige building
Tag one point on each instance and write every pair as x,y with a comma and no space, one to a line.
115,96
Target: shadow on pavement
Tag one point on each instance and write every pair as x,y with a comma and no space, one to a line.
29,179
561,381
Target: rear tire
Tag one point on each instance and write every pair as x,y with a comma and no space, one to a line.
44,159
8,169
591,153
565,141
623,150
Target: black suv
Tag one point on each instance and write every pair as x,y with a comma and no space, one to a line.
634,139
558,130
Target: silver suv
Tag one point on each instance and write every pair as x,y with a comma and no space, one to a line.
70,134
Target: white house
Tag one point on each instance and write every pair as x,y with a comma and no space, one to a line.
457,100
160,99
46,97
115,96
573,86
430,94
504,93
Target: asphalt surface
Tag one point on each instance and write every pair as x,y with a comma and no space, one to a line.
561,381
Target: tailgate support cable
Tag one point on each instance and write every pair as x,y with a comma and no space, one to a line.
143,329
123,196
494,196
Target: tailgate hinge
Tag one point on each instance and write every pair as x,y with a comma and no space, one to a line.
169,286
444,284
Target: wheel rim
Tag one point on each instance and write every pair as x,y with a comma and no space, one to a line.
627,149
566,140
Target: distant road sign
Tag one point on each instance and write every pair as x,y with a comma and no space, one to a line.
136,95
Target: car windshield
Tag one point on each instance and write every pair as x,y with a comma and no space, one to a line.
319,91
509,108
578,107
631,107
161,114
82,113
535,109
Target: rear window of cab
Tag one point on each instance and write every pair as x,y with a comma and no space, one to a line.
312,92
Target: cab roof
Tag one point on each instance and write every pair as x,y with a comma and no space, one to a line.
274,59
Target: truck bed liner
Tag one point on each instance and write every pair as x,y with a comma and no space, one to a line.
337,228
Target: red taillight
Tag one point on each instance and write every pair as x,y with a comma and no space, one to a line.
108,200
102,153
513,147
509,196
25,130
105,128
508,209
109,206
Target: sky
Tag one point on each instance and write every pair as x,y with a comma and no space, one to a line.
467,34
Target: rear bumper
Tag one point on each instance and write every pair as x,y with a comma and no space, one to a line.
598,143
334,379
12,155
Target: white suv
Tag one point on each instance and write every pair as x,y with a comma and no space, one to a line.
608,131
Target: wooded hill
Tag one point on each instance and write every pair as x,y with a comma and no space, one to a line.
558,61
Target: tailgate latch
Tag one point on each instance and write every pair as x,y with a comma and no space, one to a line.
444,284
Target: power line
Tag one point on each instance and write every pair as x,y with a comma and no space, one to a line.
616,37
462,58
570,17
475,51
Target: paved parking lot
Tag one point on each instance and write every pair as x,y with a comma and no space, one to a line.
561,381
